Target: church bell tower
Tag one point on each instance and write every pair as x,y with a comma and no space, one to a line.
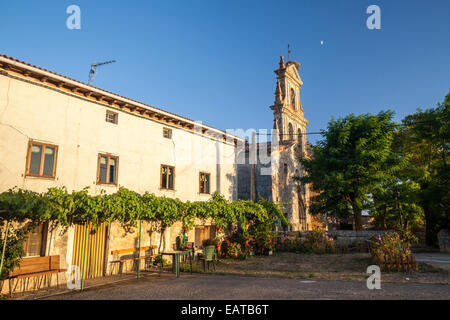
287,109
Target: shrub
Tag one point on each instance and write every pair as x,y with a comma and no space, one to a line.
14,247
235,250
318,241
393,244
265,241
288,244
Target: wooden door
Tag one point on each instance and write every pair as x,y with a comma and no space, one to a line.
95,249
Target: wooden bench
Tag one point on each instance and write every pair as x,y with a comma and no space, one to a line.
41,267
120,260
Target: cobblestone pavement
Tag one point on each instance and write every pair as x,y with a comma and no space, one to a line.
223,287
439,260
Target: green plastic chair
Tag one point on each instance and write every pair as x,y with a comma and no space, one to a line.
209,255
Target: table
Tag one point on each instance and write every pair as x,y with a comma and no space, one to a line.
176,255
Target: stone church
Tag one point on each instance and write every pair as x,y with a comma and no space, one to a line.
274,179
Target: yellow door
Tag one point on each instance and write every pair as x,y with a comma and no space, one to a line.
95,249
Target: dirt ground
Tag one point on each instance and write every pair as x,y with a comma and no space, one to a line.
326,266
235,287
281,276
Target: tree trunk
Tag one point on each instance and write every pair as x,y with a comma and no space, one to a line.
356,211
358,217
430,226
163,229
382,222
430,218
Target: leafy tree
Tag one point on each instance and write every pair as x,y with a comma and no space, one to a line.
395,205
424,140
353,159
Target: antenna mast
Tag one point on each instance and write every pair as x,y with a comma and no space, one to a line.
94,69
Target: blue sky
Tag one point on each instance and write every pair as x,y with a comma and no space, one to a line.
213,60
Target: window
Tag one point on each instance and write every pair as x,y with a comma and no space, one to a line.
300,139
108,169
204,182
167,177
293,98
167,133
41,160
291,132
36,241
112,117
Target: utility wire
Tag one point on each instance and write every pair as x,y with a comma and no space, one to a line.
305,133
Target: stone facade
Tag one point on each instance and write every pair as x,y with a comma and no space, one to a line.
274,179
262,184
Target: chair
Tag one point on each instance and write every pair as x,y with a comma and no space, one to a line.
209,255
191,246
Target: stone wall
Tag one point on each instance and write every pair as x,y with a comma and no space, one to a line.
244,177
263,182
344,237
444,240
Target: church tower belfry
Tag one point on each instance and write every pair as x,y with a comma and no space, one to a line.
287,108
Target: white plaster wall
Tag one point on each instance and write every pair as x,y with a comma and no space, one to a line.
78,127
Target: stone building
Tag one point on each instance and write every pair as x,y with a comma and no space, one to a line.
58,132
268,169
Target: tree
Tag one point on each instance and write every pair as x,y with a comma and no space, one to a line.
350,162
424,140
395,205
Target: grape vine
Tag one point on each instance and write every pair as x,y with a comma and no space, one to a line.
129,207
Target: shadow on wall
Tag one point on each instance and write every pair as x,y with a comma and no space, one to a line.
232,189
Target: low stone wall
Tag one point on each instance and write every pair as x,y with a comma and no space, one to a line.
444,240
344,237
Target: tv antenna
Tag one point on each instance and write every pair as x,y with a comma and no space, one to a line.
94,69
